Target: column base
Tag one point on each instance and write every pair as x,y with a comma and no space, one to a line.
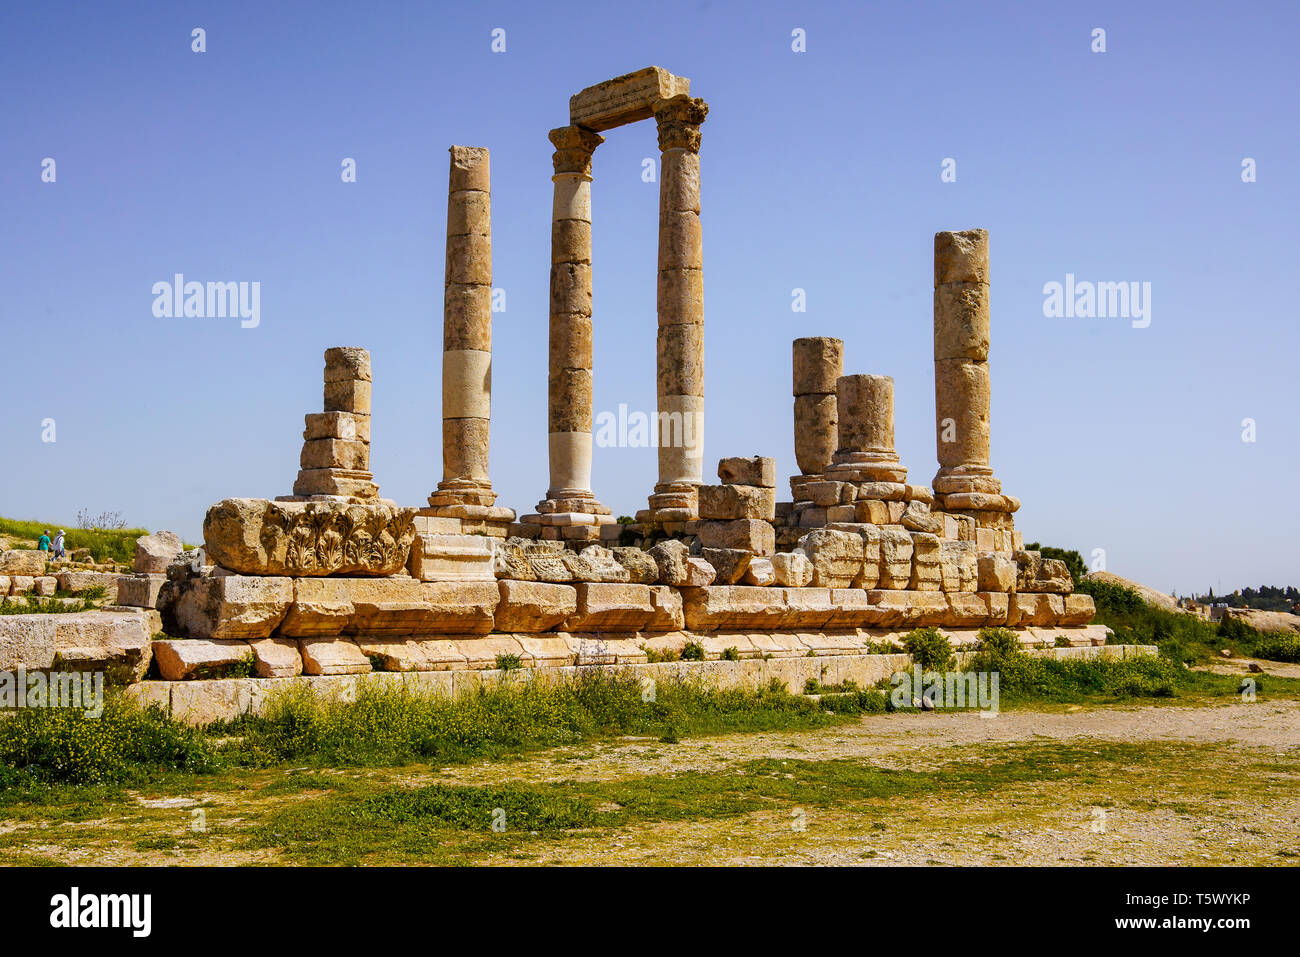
472,519
868,466
672,502
463,492
973,491
353,485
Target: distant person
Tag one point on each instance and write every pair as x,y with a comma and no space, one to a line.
59,552
44,544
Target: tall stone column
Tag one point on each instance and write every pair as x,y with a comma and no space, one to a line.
965,483
467,334
680,307
569,499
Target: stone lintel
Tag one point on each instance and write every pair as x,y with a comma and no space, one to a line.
624,99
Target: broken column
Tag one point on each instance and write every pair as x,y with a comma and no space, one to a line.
965,484
570,502
335,456
736,517
818,364
865,459
467,333
680,306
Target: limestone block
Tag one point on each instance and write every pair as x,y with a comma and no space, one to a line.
336,482
321,606
680,296
818,364
453,558
153,553
624,99
737,501
1077,609
961,327
4,586
729,564
917,518
961,390
853,609
792,569
836,557
332,425
276,657
816,431
595,564
534,606
895,558
808,608
335,454
753,535
1034,608
826,494
873,511
469,258
466,318
347,363
332,656
470,169
909,609
699,572
45,586
840,513
959,565
733,606
398,654
996,572
967,608
117,643
259,537
961,256
754,470
180,660
611,607
641,567
667,613
21,584
546,651
348,395
999,603
225,606
865,408
510,559
27,563
759,572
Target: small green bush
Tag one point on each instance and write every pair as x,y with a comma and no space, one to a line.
692,651
929,649
730,654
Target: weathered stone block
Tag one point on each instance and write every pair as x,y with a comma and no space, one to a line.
181,660
23,562
321,606
534,606
259,537
729,564
275,657
332,656
792,569
754,470
225,606
611,607
752,535
453,558
736,502
996,572
836,557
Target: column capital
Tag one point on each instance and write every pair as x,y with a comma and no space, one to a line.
573,148
679,118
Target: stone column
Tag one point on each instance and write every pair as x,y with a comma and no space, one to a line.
467,333
569,387
680,306
865,435
965,483
335,460
818,365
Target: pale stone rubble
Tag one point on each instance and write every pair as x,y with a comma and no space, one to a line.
334,581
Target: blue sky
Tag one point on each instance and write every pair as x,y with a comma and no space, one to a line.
820,170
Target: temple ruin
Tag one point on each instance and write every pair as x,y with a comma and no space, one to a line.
333,580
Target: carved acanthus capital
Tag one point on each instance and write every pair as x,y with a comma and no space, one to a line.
679,118
573,148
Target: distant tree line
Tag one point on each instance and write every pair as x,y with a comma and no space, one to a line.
1265,597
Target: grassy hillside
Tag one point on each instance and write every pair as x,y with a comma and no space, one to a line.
106,545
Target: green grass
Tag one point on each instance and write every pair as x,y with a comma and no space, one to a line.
108,545
35,605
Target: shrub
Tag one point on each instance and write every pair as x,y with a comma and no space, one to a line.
1002,642
509,662
730,654
692,651
929,649
125,744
